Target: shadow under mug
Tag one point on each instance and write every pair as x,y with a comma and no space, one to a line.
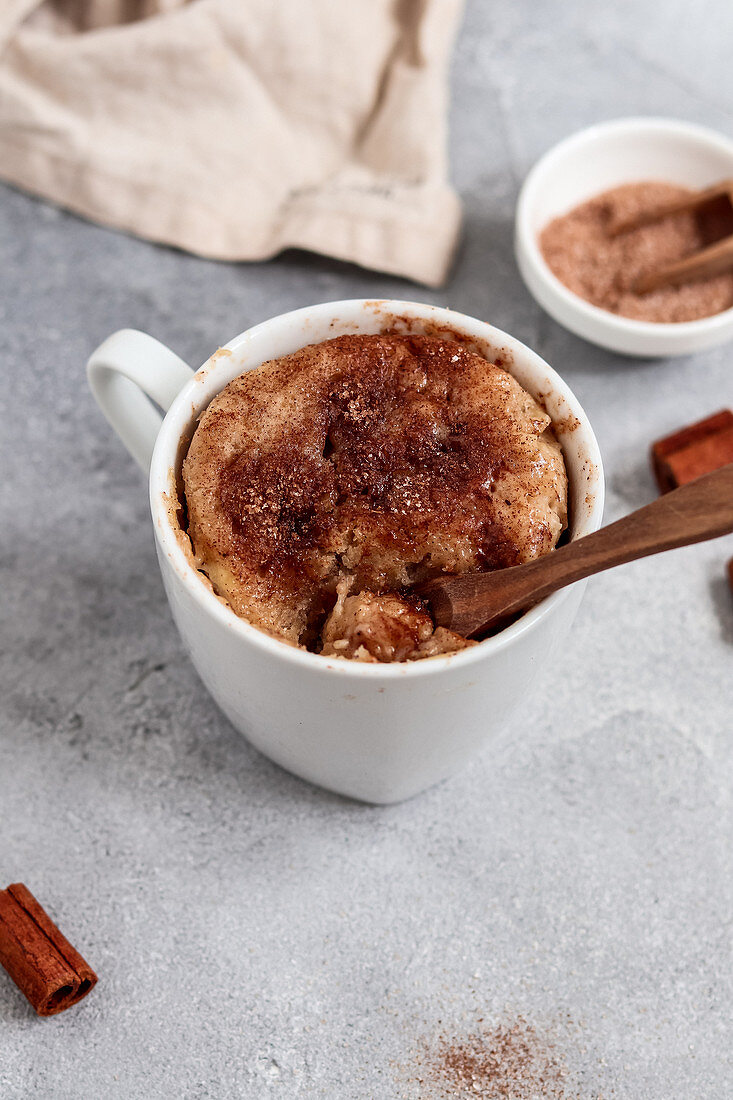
376,732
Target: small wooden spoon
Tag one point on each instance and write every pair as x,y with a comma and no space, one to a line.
710,261
687,205
473,602
713,260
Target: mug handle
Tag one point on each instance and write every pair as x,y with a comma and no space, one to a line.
124,369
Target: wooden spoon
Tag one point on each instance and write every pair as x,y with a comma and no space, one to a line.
473,602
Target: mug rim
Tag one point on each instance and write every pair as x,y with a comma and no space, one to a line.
166,456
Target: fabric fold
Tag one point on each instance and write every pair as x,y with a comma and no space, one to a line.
236,128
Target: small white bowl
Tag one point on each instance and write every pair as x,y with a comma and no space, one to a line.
588,163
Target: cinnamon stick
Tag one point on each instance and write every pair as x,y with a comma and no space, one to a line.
38,957
730,574
693,451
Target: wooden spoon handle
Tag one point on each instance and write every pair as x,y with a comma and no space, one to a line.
701,510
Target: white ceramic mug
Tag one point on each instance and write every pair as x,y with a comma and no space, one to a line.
376,732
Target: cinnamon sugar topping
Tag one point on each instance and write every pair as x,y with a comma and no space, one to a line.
363,465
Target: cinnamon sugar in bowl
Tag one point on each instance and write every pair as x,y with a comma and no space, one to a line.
579,170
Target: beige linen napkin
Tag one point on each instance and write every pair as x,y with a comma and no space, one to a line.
237,128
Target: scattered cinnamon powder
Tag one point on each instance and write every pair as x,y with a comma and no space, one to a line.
510,1061
602,269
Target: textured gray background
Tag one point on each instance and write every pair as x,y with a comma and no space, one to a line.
255,936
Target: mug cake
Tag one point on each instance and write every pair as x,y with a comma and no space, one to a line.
323,485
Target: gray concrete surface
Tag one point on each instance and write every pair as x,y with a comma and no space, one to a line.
256,937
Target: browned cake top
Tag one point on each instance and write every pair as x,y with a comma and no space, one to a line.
379,459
